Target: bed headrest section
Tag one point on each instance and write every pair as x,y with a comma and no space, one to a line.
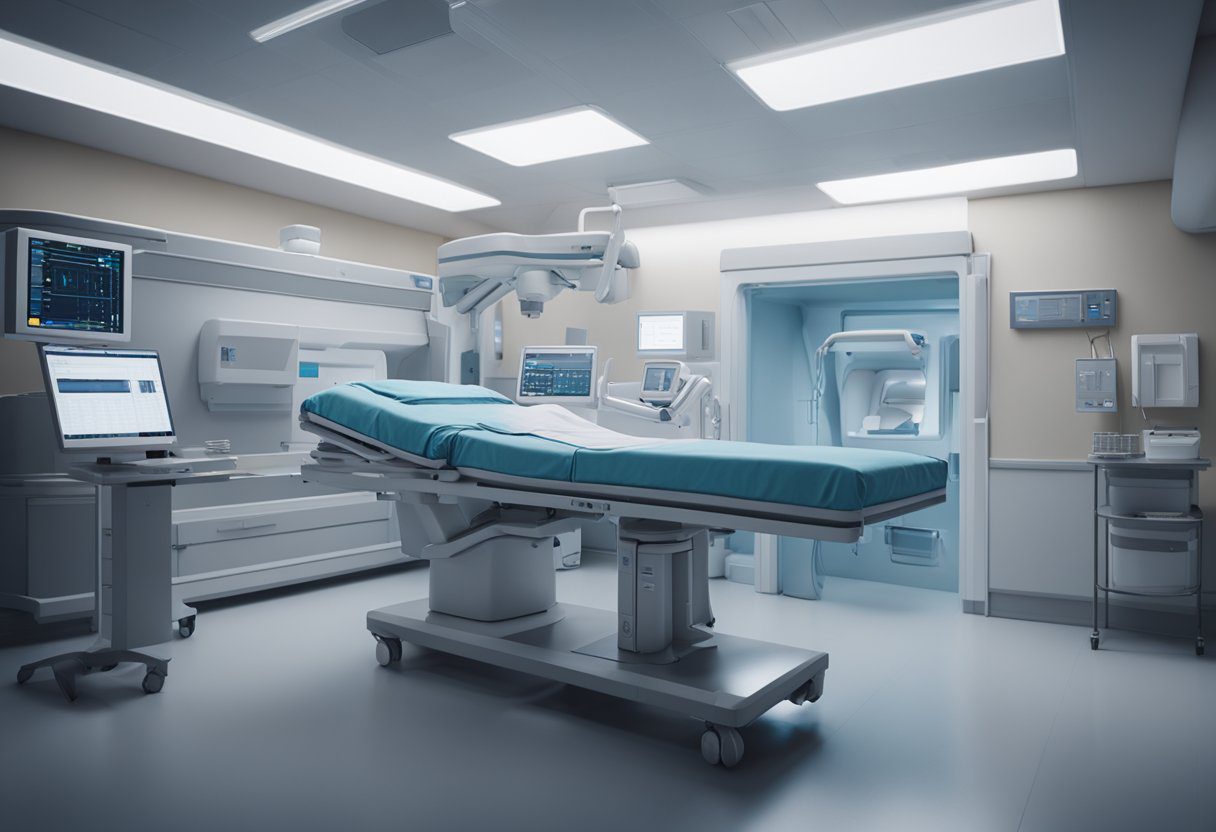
432,392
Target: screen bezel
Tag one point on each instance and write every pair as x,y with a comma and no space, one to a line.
637,335
663,396
21,291
112,445
589,400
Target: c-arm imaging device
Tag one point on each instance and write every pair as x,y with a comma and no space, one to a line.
477,272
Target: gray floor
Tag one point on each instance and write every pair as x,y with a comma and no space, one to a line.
275,716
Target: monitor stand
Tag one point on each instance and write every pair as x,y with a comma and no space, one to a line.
134,597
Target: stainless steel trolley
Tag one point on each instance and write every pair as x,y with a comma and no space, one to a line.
1145,472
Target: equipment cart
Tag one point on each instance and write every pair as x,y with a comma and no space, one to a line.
1148,533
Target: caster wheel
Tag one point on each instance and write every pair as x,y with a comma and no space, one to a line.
711,622
388,650
1093,642
722,745
153,682
711,747
1199,647
24,674
186,626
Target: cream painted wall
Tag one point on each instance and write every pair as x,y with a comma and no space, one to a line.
1118,237
680,270
47,174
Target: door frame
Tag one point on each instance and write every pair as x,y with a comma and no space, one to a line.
877,258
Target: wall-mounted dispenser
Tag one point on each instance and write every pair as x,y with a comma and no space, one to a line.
1165,370
247,365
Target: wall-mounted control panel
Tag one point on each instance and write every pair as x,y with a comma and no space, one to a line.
1096,390
1093,308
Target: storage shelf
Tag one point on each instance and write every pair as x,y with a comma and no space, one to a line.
1148,593
1192,518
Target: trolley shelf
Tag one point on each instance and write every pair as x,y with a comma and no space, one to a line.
1104,515
1192,518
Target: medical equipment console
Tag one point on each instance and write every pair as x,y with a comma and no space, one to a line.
63,288
557,375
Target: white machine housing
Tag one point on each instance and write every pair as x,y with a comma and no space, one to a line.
686,335
477,272
1165,370
247,365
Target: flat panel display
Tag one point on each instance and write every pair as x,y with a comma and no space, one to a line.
108,399
660,333
63,288
557,375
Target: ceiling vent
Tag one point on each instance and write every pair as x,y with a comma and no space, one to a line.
762,27
396,24
655,193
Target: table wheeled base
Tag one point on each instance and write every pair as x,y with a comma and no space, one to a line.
728,682
67,667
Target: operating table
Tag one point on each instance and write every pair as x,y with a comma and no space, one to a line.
483,485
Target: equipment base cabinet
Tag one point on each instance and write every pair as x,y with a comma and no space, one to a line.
1148,534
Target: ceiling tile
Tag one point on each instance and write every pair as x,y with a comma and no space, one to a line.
864,14
704,143
176,22
700,100
83,33
449,66
249,14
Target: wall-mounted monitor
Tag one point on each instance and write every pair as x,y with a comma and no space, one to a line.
59,288
557,375
688,335
107,400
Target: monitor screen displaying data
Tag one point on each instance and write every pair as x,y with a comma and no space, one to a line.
108,399
557,374
659,378
74,287
660,333
59,287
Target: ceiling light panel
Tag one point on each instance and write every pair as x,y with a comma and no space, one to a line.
966,177
309,14
581,131
981,38
34,70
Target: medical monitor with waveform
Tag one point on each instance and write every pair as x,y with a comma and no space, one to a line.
61,288
557,375
107,399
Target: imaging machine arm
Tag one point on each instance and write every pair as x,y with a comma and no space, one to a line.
477,272
689,396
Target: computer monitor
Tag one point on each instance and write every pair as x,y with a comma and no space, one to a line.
662,380
557,375
61,288
688,335
107,400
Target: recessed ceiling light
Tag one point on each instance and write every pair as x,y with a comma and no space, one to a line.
982,37
577,132
35,70
955,179
309,14
653,193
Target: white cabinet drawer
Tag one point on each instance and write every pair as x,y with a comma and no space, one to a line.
268,549
216,524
